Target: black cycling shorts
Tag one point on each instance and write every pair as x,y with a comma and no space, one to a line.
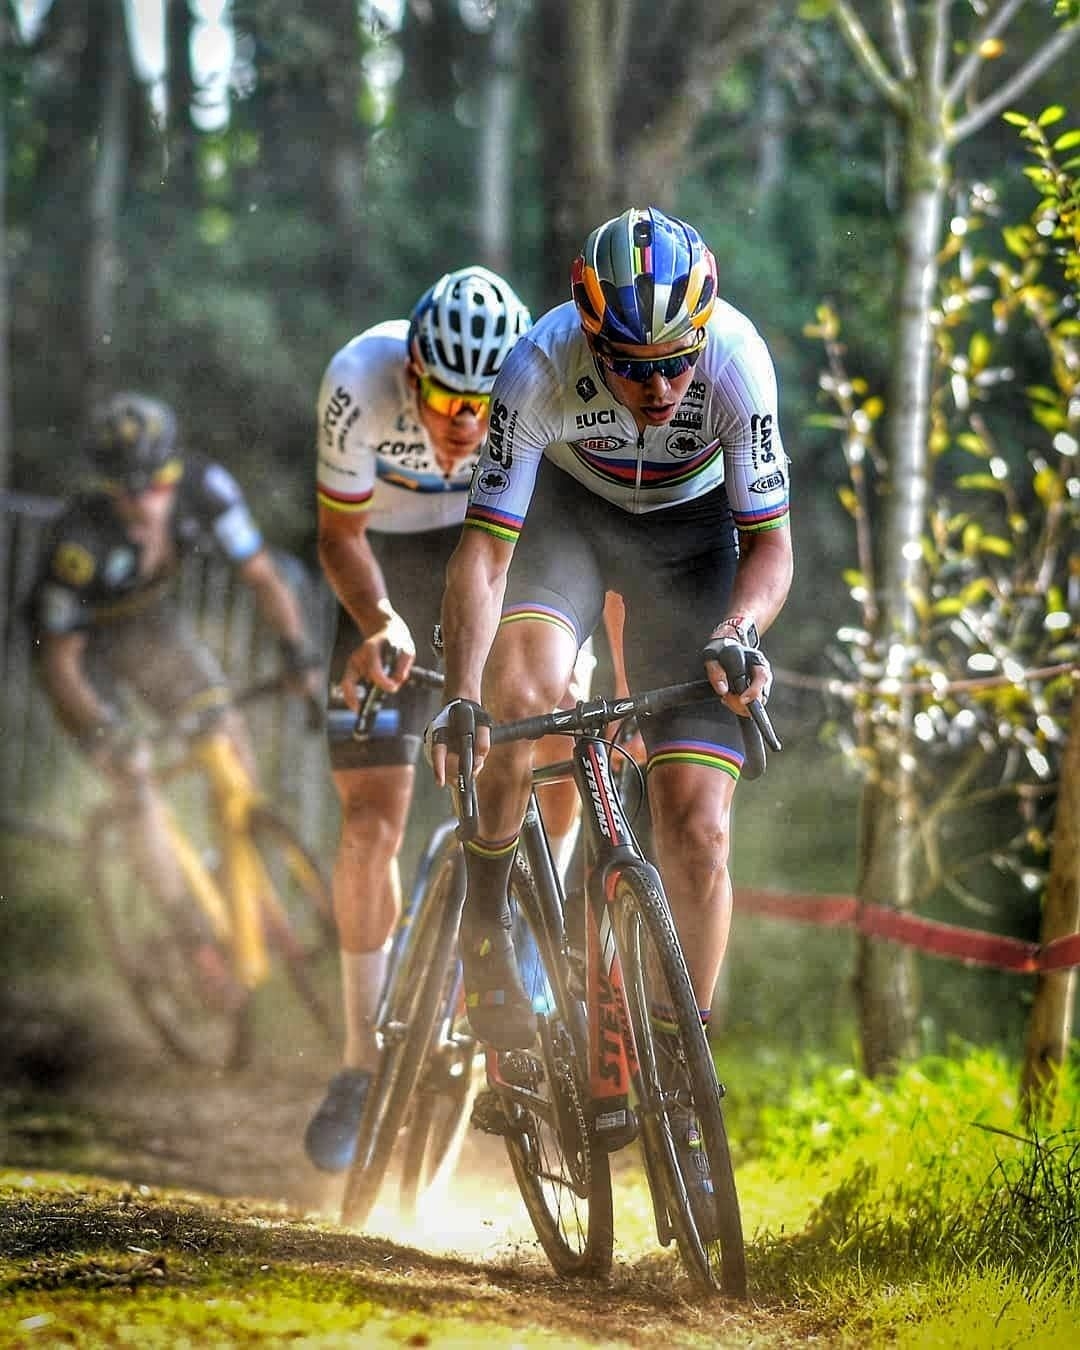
674,569
414,566
158,656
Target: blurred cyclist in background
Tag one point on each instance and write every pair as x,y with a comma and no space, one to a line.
105,615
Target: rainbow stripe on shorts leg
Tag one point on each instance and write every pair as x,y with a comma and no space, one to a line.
538,614
705,753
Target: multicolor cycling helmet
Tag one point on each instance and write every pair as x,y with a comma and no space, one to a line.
463,327
644,278
133,441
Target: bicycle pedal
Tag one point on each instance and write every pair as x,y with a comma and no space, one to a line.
613,1126
488,1115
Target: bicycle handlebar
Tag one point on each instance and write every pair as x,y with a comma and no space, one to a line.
372,695
592,715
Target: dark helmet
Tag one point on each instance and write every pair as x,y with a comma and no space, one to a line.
644,278
132,438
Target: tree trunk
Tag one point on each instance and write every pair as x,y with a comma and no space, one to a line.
344,158
106,182
179,129
885,982
1050,1023
5,369
497,144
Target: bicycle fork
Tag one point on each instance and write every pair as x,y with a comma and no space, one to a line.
612,1053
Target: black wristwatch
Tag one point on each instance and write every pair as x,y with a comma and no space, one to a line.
745,628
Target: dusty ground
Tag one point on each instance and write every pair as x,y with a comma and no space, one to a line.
98,1097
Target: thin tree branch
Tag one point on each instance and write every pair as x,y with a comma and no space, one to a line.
868,56
901,36
937,49
1014,87
968,68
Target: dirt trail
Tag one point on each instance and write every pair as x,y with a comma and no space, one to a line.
119,1109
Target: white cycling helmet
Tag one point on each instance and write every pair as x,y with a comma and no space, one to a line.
463,327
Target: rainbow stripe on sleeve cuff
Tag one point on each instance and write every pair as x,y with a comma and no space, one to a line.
344,501
499,523
756,522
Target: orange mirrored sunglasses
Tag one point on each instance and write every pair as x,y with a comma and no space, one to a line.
449,402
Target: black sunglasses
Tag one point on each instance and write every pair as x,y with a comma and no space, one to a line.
641,369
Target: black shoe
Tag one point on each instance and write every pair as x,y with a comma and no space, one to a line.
499,1010
330,1138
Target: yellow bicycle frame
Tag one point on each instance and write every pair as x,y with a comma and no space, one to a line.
235,907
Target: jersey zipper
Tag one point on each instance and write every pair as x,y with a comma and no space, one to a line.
640,462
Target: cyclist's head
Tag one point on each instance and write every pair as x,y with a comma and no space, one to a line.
133,443
463,327
643,279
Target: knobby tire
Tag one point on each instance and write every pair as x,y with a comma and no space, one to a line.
654,971
417,990
571,1214
440,1118
152,943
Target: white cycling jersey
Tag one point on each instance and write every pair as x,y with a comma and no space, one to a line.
550,399
374,455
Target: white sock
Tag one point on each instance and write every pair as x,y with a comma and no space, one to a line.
362,976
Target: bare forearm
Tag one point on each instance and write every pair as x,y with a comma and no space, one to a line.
763,578
472,604
73,698
274,598
356,578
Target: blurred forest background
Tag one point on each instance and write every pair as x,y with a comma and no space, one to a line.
204,200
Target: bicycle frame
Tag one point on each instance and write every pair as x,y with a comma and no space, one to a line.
610,845
233,909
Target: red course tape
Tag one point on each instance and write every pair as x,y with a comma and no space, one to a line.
968,945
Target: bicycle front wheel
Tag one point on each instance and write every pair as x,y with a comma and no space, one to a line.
676,1088
164,950
440,1116
563,1177
417,986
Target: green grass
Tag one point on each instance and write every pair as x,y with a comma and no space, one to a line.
916,1212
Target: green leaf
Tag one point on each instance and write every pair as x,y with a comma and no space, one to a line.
979,480
950,605
1018,119
1050,115
972,444
1016,239
992,543
1052,419
1048,487
979,351
1067,141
